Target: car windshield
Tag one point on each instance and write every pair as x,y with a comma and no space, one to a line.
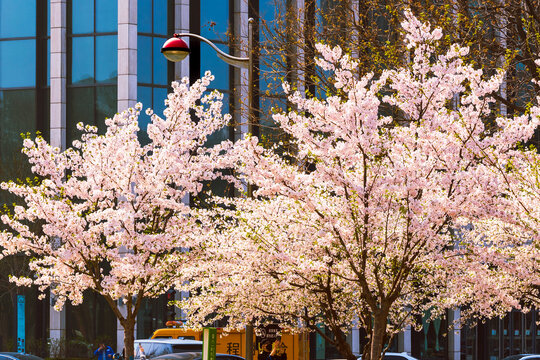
514,357
181,348
151,350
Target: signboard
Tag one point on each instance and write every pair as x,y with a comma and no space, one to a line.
20,324
209,343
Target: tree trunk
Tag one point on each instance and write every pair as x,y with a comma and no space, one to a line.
129,337
378,335
341,343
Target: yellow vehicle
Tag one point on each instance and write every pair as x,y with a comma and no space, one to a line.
234,342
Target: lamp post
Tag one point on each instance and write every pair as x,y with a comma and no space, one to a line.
175,49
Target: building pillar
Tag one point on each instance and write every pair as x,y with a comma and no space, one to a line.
404,341
58,73
240,76
127,54
454,335
181,24
58,76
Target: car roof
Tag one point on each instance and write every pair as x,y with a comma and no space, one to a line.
192,356
520,356
20,356
402,354
170,341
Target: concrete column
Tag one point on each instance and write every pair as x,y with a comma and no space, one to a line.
240,77
181,24
404,341
127,54
58,73
454,336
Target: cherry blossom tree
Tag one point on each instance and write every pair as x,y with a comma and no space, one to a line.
111,212
368,221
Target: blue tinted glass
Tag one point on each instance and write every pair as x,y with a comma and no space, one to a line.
267,10
106,105
106,58
220,69
106,16
144,59
144,16
160,63
83,16
144,96
18,18
160,94
214,18
160,17
82,63
17,63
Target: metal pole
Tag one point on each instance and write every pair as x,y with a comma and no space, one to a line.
251,120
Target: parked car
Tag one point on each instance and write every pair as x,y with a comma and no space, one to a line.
18,356
523,357
196,356
156,347
395,356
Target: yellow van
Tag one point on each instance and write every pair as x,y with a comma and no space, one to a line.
296,345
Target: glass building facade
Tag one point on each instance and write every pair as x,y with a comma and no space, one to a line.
68,61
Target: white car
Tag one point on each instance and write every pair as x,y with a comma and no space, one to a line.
523,357
395,356
151,348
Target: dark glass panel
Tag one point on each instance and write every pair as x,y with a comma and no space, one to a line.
106,58
144,95
144,16
214,18
48,16
18,18
160,63
106,105
17,116
160,17
106,16
144,59
220,69
82,63
80,108
222,134
152,315
19,55
82,16
160,94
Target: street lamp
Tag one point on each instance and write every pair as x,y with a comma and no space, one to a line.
175,49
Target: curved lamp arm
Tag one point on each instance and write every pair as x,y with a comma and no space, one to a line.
239,62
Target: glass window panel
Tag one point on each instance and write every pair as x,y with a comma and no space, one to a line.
82,63
106,105
160,17
160,63
17,115
144,95
82,16
144,59
80,108
19,55
106,16
160,94
106,58
144,16
18,18
214,18
220,69
268,9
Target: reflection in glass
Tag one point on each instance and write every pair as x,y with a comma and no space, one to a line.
219,68
20,55
144,16
214,18
20,20
144,59
160,94
106,105
106,16
17,115
160,63
82,16
82,64
80,108
106,58
222,134
144,96
160,16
